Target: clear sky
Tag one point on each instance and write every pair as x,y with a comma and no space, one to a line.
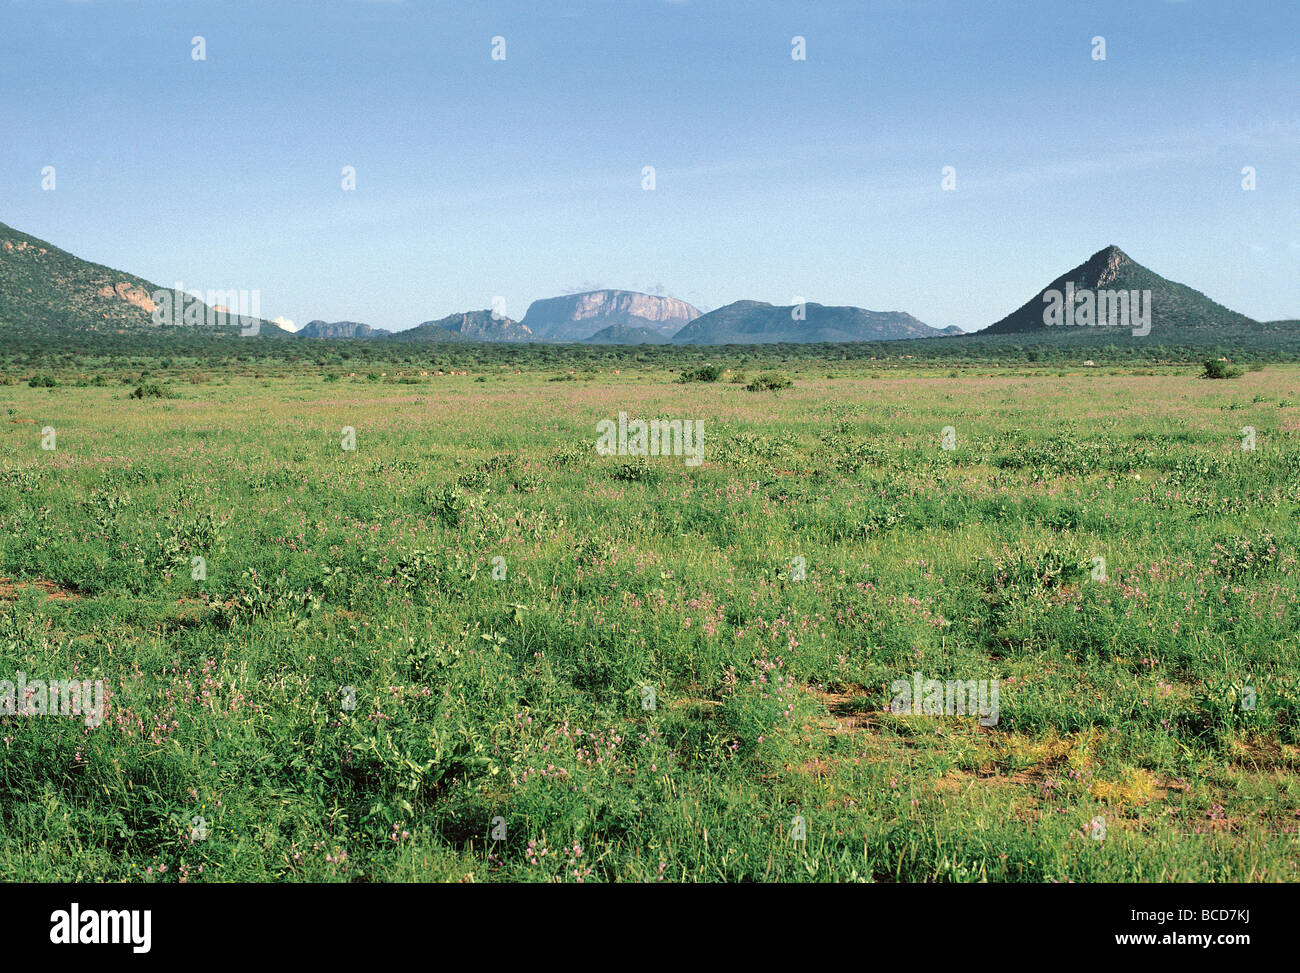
775,178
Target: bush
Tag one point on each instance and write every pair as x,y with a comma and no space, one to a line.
1215,368
42,382
769,381
152,390
705,373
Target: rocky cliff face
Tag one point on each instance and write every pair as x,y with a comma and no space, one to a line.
339,329
45,288
576,317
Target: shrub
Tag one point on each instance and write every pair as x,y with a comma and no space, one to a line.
1215,368
152,390
42,382
769,381
705,373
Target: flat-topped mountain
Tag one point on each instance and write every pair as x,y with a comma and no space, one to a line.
339,329
1173,306
576,317
754,322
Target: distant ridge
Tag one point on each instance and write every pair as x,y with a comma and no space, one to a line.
754,322
471,326
622,334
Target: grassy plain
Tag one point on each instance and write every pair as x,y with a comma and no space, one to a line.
1162,700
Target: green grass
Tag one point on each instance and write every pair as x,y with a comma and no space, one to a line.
519,705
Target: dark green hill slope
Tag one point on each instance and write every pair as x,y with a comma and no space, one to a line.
1177,311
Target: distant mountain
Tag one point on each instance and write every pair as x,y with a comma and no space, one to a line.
471,326
1174,307
753,322
622,334
576,317
340,329
45,288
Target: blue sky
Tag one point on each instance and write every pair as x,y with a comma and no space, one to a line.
775,178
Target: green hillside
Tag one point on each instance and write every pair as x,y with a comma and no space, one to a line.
755,322
47,290
1176,309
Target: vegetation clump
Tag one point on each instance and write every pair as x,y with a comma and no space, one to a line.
769,382
1219,368
152,390
705,373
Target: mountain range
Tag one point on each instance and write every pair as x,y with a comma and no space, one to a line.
43,287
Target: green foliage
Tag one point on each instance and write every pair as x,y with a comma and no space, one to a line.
636,469
152,390
1216,368
474,619
769,382
705,373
